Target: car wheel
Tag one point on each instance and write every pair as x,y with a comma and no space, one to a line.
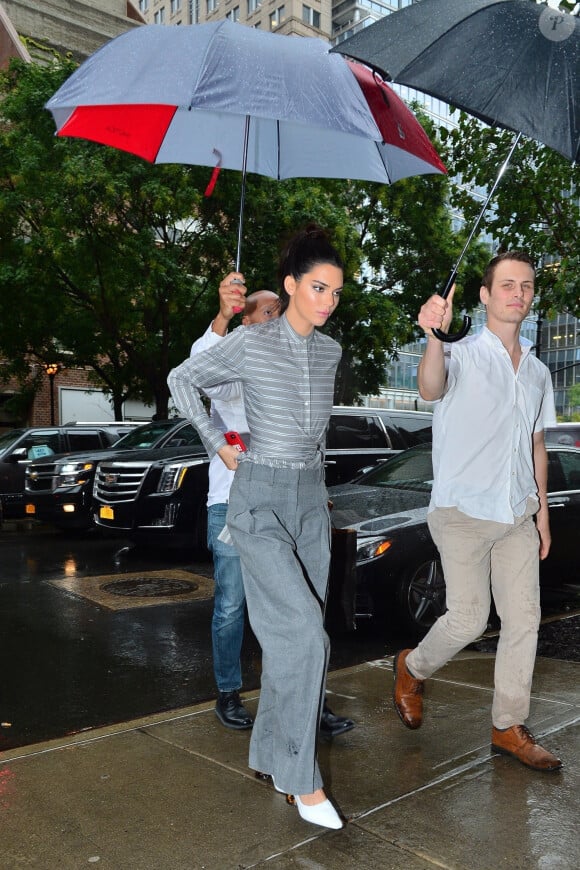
421,596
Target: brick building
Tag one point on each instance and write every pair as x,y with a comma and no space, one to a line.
31,29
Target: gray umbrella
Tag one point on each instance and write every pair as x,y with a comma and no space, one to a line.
235,97
511,63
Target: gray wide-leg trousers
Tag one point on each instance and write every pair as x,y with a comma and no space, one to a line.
279,522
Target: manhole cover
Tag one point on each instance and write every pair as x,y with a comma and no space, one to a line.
150,587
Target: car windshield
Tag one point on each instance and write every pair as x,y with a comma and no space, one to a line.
145,436
151,434
565,433
7,439
412,469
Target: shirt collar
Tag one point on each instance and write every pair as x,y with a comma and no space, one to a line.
291,332
491,338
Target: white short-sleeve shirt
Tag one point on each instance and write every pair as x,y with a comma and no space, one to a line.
227,412
483,428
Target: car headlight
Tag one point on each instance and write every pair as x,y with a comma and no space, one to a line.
372,548
73,473
172,477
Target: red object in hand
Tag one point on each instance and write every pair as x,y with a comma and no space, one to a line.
235,440
237,308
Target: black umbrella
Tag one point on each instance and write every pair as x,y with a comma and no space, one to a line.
511,63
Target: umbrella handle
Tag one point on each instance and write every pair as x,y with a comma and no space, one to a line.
455,336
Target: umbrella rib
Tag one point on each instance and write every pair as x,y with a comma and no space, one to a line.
383,159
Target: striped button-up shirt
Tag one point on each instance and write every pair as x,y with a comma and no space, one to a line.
288,385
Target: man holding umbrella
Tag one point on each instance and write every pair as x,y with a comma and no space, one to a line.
494,399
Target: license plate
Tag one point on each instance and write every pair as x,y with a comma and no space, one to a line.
106,512
30,509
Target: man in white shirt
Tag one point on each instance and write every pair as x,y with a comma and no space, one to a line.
227,413
494,399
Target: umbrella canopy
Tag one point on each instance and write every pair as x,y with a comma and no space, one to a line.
236,97
181,94
510,63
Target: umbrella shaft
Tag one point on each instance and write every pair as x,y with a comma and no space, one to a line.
484,209
243,193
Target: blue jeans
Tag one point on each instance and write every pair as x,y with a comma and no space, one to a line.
227,627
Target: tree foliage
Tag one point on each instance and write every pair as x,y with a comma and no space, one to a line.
536,205
574,399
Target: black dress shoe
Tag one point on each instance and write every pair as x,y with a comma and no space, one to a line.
231,712
331,725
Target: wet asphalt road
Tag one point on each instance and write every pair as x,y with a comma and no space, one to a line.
71,664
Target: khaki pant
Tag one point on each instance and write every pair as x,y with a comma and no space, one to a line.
480,557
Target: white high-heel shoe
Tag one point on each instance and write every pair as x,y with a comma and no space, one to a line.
322,814
289,797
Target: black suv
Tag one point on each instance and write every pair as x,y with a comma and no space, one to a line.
160,497
360,437
59,488
19,447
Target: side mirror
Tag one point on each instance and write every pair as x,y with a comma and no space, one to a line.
18,455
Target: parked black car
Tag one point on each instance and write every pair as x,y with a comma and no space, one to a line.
397,564
155,497
127,498
59,489
19,447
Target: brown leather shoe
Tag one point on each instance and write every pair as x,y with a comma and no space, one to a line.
407,693
518,741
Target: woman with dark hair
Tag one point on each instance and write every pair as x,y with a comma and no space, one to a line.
278,508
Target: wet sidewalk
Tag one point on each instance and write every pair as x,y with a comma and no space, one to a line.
174,791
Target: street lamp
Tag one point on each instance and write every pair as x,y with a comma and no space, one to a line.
52,369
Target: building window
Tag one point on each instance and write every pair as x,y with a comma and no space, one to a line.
311,16
143,5
159,16
277,17
253,5
211,6
234,14
175,6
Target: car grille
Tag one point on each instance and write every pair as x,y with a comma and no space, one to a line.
119,481
40,477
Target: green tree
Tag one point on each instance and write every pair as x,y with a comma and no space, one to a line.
574,399
93,266
536,205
